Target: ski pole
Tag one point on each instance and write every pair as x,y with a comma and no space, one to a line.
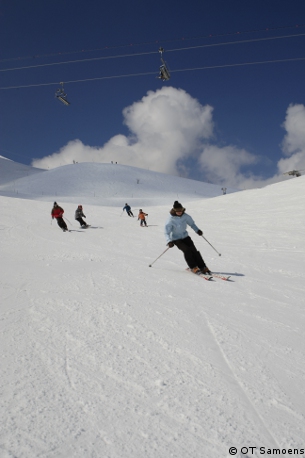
219,254
68,221
159,256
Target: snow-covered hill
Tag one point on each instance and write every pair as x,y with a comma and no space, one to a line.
104,183
103,356
11,171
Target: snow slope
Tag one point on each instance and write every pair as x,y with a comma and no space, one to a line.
103,356
11,171
103,183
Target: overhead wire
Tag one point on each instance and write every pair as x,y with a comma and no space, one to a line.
61,53
153,52
77,61
240,64
153,73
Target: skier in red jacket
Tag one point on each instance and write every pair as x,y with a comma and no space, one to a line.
57,212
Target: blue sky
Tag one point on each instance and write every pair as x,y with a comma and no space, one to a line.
249,104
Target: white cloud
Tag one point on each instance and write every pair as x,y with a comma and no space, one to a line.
223,165
166,127
169,130
294,140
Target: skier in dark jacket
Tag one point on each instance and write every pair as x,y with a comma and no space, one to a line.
176,234
128,210
79,215
57,212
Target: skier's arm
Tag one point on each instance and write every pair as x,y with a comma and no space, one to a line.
167,232
192,224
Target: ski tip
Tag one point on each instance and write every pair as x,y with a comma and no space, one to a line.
222,277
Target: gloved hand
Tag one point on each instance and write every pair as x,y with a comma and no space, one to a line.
199,232
170,244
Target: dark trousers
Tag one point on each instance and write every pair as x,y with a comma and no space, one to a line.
61,223
191,254
81,221
129,213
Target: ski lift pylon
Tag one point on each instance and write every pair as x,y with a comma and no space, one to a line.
61,95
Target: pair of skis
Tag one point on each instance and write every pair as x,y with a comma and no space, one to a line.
210,277
74,230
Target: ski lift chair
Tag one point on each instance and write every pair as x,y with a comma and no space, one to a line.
164,74
61,95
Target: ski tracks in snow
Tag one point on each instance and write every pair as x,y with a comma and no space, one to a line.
245,399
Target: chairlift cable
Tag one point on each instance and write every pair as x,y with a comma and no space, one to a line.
267,29
239,65
152,52
77,61
236,42
153,73
80,81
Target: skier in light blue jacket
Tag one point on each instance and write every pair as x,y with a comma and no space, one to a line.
176,234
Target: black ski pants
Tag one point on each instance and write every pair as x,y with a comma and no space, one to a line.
61,223
129,213
191,255
81,221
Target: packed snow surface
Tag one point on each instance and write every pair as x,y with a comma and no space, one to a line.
104,357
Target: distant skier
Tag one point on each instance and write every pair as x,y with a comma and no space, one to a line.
79,215
57,212
176,234
128,210
141,217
